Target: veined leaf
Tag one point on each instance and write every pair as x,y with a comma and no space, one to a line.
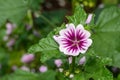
13,10
47,46
106,41
23,75
95,68
79,16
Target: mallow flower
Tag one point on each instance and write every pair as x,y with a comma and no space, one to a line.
73,40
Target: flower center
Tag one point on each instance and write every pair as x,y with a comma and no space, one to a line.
76,42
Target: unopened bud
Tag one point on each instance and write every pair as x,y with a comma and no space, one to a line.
82,60
89,18
70,60
58,62
43,69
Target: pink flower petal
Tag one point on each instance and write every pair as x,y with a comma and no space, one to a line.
57,39
69,31
79,27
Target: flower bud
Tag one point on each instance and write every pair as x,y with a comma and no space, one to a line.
89,18
70,60
26,58
25,68
58,62
14,67
82,60
10,28
43,68
10,43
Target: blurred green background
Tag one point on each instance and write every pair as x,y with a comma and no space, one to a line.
32,20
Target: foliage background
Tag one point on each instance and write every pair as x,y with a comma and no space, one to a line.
42,16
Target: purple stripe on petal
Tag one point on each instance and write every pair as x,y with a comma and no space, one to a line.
70,34
79,35
72,49
67,42
81,44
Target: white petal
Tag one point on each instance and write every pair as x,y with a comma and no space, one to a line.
62,32
70,25
61,48
66,52
83,51
89,42
56,38
70,30
74,53
79,27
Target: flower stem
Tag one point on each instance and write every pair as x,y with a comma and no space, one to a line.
72,65
48,21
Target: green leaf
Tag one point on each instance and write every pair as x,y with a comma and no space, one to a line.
118,78
107,34
47,46
80,76
47,75
79,16
95,68
3,55
49,20
24,75
21,75
56,16
2,34
35,4
13,10
101,74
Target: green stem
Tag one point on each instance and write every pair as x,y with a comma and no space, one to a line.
48,21
30,18
72,65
